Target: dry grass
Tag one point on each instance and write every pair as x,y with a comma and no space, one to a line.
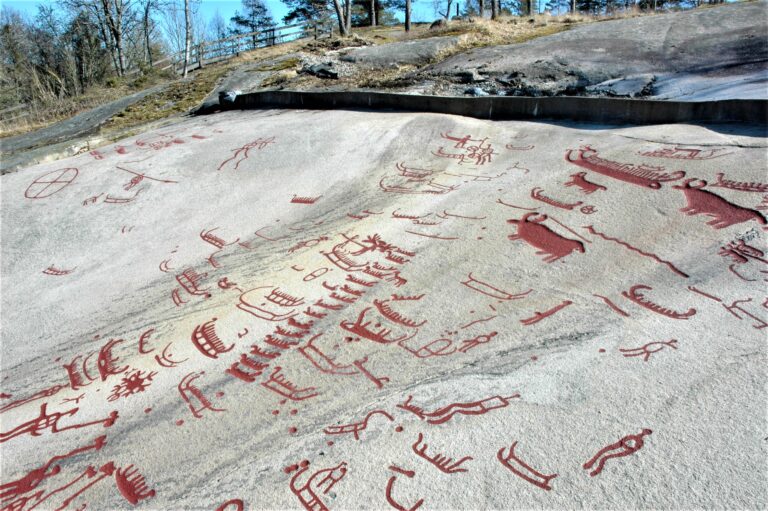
40,115
183,95
178,97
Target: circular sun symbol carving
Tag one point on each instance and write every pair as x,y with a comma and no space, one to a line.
134,383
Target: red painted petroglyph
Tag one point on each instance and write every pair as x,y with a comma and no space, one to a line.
550,244
523,470
385,309
134,383
740,186
702,293
491,291
190,280
428,350
499,201
391,499
276,297
513,147
639,298
475,177
304,200
446,413
52,270
241,153
433,236
724,213
328,365
741,253
143,338
629,444
12,494
538,194
442,462
475,322
319,483
475,151
648,349
92,200
164,359
587,187
212,239
106,361
158,142
279,384
206,340
468,344
50,421
258,233
345,255
76,374
612,305
538,316
50,183
656,258
307,244
315,274
681,153
356,427
281,344
641,175
409,180
446,214
379,333
132,485
109,199
138,177
735,306
235,504
50,391
194,397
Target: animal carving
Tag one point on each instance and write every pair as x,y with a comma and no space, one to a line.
550,244
724,213
579,179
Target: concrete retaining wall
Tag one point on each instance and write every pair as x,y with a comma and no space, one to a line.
600,110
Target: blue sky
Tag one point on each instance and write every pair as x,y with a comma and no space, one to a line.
422,9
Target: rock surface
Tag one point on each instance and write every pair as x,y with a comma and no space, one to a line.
418,52
296,308
690,48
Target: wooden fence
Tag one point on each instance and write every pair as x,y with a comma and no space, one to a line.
209,52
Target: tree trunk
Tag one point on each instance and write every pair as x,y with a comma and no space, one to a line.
372,12
348,15
187,36
482,8
407,15
146,33
340,17
494,10
115,24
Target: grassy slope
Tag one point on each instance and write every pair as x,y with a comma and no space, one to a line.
181,95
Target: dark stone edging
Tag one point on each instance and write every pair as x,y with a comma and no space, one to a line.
601,110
